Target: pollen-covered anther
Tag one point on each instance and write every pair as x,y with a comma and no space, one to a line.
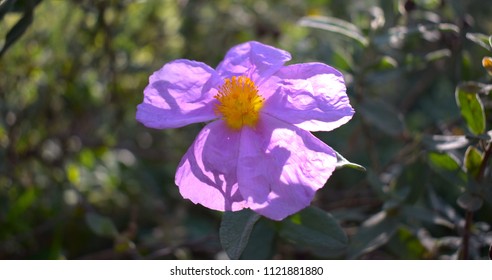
239,102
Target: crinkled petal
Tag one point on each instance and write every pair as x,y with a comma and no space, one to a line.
311,96
254,60
280,167
207,172
178,94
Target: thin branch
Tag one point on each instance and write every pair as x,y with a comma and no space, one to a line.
469,214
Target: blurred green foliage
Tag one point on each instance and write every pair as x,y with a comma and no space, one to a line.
80,178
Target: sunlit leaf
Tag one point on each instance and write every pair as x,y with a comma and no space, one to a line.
445,142
335,25
471,108
235,231
343,162
479,39
444,161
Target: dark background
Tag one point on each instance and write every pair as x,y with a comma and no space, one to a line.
81,179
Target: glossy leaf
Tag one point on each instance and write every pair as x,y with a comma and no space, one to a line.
444,161
335,25
235,231
343,162
479,39
471,108
315,229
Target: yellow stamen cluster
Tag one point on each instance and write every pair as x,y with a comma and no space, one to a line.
239,102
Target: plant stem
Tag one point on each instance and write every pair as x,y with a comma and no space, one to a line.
469,214
466,235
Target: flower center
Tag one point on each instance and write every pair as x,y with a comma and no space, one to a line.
239,102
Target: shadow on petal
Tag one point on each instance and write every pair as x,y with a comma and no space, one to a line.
280,168
179,94
207,172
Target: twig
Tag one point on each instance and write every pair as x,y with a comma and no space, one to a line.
466,235
469,214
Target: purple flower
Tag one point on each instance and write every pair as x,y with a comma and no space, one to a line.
256,151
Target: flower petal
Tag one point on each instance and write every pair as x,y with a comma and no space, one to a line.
311,95
254,60
178,94
280,167
207,172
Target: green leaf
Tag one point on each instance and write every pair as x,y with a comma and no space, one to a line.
343,162
473,160
479,39
101,225
470,202
471,108
315,229
235,230
444,161
386,63
383,116
335,25
261,242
